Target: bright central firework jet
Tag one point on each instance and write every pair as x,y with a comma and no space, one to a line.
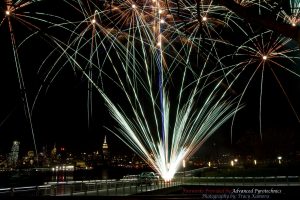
165,92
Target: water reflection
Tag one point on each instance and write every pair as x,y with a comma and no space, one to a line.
30,177
60,176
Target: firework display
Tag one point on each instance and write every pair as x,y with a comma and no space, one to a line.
173,65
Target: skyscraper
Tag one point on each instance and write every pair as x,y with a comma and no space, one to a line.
14,154
105,151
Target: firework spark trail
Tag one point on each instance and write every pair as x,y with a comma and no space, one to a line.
164,131
292,15
15,11
145,45
11,13
265,51
137,65
137,29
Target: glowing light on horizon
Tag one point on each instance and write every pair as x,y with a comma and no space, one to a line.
232,163
279,159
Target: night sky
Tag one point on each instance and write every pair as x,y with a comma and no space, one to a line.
60,113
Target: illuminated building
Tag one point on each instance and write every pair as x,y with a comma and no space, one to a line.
105,151
14,154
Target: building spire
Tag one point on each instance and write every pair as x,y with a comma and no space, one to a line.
105,149
104,140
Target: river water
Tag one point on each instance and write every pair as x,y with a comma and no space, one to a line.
18,178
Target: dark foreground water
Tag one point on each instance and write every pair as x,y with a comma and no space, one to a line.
30,177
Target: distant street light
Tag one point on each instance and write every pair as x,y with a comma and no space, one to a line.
255,162
279,159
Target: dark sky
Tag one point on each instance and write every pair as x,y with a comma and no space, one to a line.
60,113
